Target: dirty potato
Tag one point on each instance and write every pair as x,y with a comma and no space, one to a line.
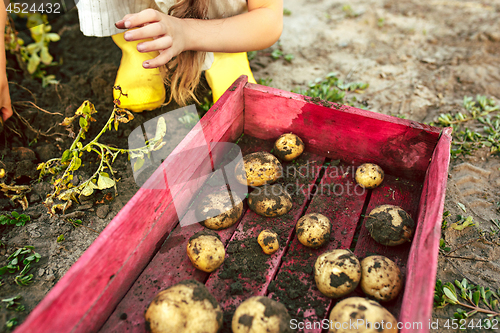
390,225
268,241
258,169
270,200
206,251
366,316
369,175
337,273
219,210
313,230
380,278
261,314
288,147
186,307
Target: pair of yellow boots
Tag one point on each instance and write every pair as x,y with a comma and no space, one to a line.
145,88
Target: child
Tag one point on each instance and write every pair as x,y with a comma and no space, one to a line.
177,46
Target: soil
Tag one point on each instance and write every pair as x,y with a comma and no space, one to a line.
420,58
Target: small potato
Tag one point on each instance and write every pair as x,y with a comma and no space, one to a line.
270,200
261,314
186,307
390,225
206,251
258,169
268,241
369,175
217,211
313,230
337,273
380,278
361,315
288,147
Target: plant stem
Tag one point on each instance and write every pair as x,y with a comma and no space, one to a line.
478,309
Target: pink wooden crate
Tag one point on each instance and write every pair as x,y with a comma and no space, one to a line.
143,248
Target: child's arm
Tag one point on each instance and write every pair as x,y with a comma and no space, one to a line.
5,106
257,29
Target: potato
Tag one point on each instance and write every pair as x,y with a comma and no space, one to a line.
313,230
369,175
217,210
268,241
270,200
337,273
261,314
186,307
259,169
390,225
288,147
206,251
380,278
361,315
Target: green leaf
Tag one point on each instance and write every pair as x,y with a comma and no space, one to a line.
475,297
83,122
60,238
77,162
104,182
66,155
15,214
451,295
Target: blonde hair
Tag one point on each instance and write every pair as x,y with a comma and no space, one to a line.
183,72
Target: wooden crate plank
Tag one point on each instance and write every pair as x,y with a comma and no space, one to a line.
87,294
393,191
337,199
401,147
230,292
171,264
422,261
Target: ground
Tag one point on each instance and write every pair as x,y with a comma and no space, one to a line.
420,59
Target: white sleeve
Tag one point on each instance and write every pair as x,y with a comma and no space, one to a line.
98,17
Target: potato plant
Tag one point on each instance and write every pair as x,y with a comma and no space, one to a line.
103,177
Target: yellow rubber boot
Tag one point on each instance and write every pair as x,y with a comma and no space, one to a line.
226,68
144,87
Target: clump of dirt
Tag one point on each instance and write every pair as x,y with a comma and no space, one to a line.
246,262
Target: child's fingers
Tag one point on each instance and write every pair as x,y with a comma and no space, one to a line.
155,45
148,31
160,60
139,19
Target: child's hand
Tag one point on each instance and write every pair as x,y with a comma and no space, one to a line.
166,31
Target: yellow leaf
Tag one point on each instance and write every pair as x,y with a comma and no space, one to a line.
138,164
104,182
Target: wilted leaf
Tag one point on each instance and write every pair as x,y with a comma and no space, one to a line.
138,164
104,181
462,206
67,121
33,63
161,129
45,56
53,37
88,189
